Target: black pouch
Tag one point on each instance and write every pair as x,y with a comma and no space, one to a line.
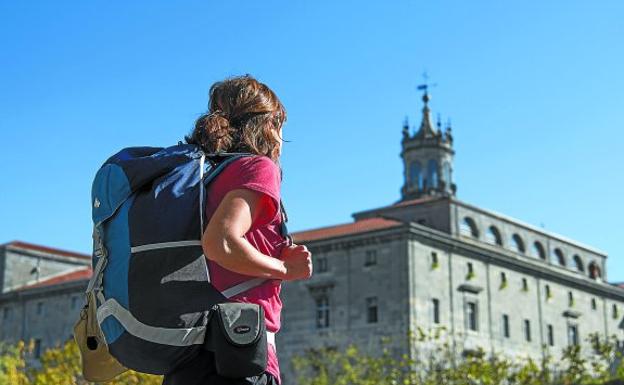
237,336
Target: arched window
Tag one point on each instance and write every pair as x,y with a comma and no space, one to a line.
594,270
538,250
517,244
416,176
446,173
468,227
432,173
493,236
578,262
560,258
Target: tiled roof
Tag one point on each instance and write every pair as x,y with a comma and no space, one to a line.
356,227
76,275
44,249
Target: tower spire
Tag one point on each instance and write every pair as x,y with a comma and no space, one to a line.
426,129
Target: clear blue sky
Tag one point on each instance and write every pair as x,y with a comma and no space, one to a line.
535,91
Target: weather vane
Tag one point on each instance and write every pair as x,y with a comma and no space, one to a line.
425,86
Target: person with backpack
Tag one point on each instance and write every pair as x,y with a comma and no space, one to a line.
244,236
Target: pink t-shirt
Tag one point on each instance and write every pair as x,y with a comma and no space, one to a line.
261,174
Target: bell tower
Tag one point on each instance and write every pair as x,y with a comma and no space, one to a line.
427,157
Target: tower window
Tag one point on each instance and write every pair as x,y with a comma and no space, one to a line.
506,326
593,304
415,175
551,335
322,312
435,303
517,244
525,284
527,330
570,299
468,228
548,292
432,174
493,236
538,250
614,311
371,258
446,174
371,310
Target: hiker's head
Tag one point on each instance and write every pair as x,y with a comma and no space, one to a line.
243,115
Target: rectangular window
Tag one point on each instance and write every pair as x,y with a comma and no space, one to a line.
322,264
548,293
6,313
371,258
551,335
573,334
505,326
371,310
436,310
527,330
74,302
470,274
39,308
37,348
322,312
471,315
434,258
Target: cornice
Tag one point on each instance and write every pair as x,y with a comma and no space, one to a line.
350,241
44,291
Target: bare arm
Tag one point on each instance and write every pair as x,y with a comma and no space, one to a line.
224,241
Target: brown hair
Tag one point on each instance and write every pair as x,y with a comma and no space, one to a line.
243,115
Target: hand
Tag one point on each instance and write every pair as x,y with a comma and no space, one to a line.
298,262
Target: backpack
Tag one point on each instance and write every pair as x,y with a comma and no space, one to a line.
151,283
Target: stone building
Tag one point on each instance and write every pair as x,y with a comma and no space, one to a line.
41,293
427,260
431,260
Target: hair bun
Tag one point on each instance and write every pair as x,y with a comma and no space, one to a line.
217,123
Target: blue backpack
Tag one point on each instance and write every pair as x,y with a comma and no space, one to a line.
151,278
